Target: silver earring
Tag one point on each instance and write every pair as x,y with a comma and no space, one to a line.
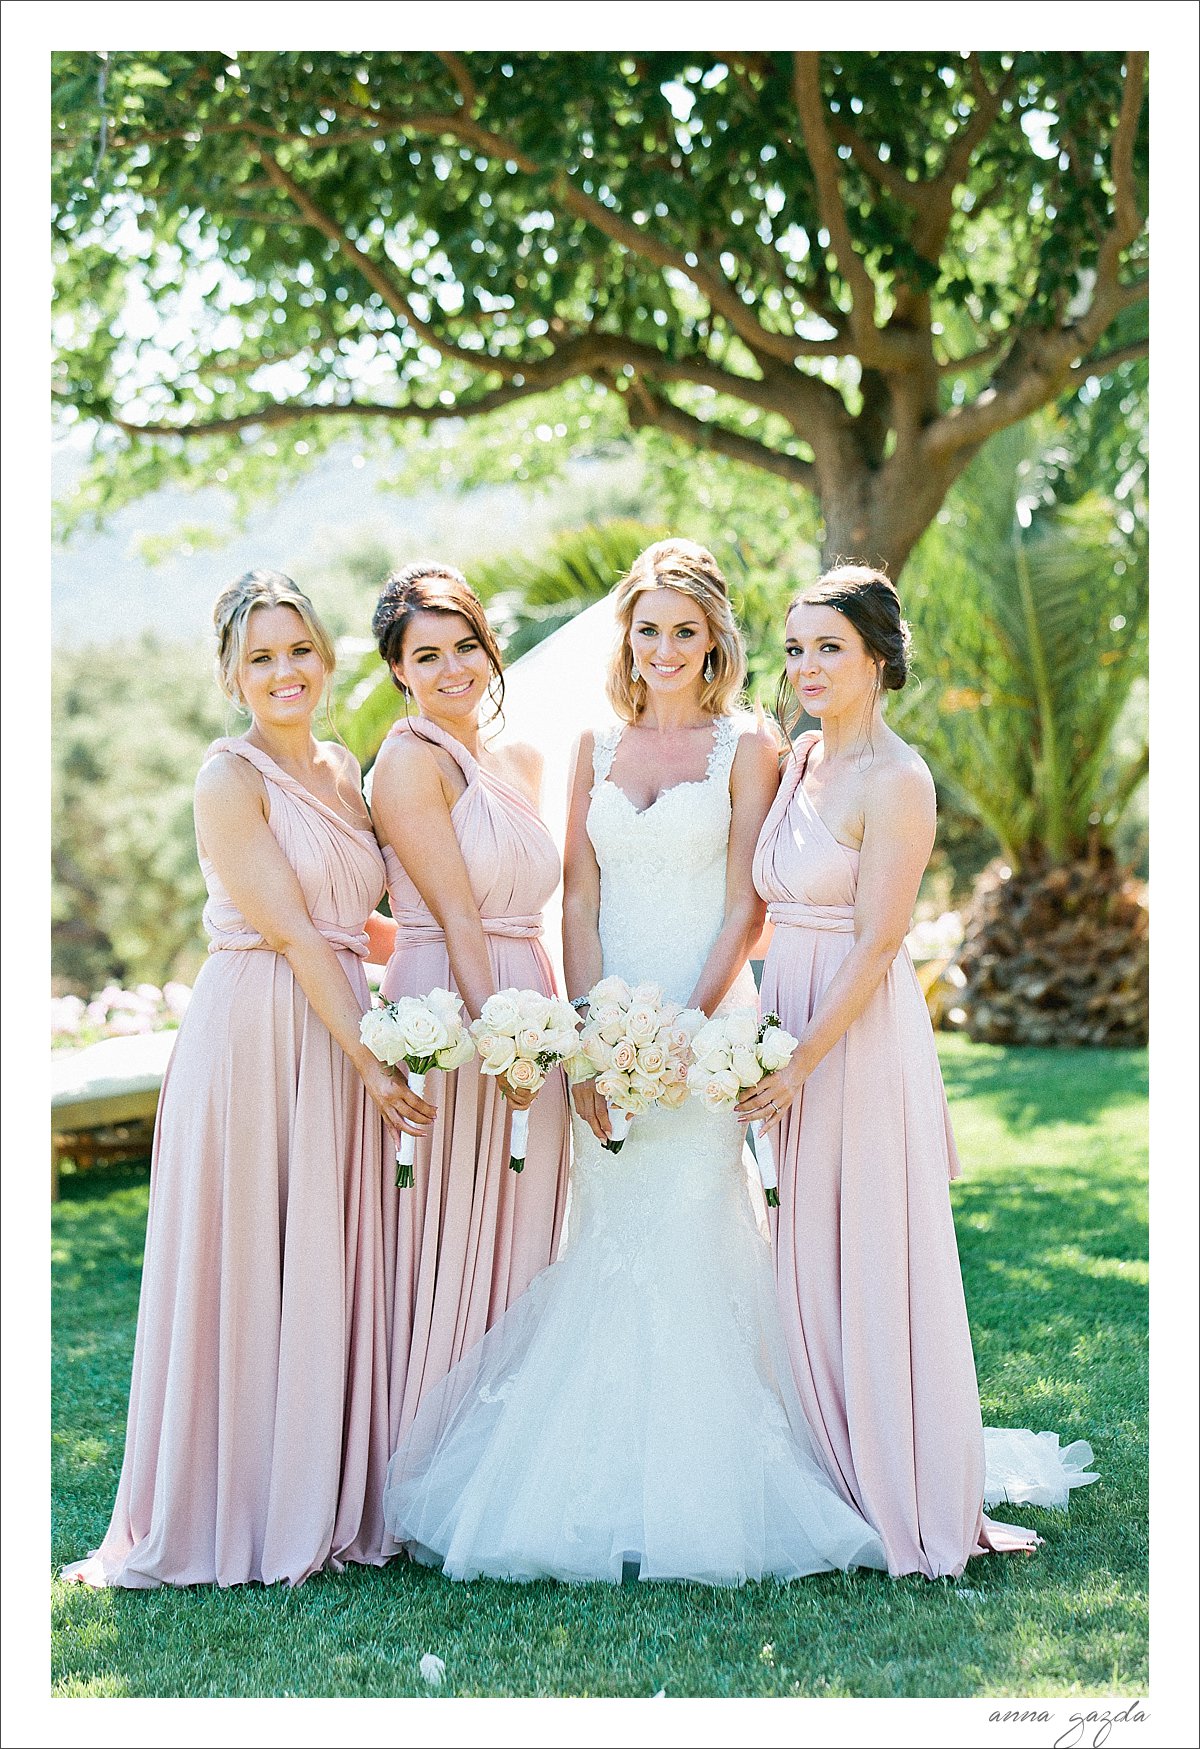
635,673
709,670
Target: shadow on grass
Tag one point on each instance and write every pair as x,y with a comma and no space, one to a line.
1028,1087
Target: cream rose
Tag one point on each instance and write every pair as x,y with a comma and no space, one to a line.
745,1065
642,1024
499,1057
624,1055
741,1026
424,1034
525,1075
721,1092
652,1059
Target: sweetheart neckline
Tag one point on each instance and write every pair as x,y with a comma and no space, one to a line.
639,813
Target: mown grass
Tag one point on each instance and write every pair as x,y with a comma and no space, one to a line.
1052,1232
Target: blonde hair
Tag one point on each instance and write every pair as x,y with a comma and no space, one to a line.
231,615
690,569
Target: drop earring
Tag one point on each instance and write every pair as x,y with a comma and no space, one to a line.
635,673
709,670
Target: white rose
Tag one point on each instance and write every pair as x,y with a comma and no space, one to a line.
460,1050
502,1013
697,1080
446,1005
424,1033
745,1066
561,1040
646,996
715,1062
652,1059
500,1057
721,1092
741,1026
673,1094
776,1048
530,1040
642,1024
644,1086
708,1038
610,1034
605,1015
690,1020
579,1067
624,1055
382,1036
525,1075
534,1009
610,990
562,1016
613,1087
597,1049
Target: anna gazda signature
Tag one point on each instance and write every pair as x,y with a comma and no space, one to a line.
1085,1729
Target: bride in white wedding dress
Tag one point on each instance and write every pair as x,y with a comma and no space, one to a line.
634,1411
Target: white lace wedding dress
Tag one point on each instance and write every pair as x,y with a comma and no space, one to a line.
634,1411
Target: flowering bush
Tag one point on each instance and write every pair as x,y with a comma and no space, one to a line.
116,1013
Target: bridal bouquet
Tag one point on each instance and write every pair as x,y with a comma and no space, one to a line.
522,1035
733,1052
637,1046
423,1033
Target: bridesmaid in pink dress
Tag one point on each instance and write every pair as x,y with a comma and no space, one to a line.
866,1261
257,1437
469,867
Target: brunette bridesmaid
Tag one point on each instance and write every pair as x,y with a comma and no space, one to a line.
866,1262
469,867
257,1436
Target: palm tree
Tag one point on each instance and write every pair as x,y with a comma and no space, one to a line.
1029,620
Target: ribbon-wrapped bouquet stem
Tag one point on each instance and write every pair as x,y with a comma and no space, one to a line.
423,1033
733,1052
523,1035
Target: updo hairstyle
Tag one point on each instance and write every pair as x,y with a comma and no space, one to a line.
231,614
685,566
868,599
427,587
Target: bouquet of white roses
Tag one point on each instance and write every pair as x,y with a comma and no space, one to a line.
423,1033
522,1035
733,1052
636,1045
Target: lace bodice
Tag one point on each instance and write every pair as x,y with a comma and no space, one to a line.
662,868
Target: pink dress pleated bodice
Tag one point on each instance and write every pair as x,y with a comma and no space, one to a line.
866,1262
470,1235
257,1436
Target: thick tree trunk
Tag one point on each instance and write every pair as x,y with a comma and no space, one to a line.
875,515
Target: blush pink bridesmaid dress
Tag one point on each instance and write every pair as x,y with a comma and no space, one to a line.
866,1262
470,1235
257,1438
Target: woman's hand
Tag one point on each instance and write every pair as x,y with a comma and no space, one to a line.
592,1109
767,1102
520,1098
399,1105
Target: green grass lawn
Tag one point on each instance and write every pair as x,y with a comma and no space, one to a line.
1052,1231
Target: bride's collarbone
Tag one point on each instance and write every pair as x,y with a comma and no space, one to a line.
650,762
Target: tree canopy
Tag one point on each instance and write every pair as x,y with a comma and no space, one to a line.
849,270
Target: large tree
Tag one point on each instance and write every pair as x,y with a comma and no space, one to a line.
847,269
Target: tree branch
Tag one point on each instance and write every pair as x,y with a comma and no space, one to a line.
1101,363
379,281
646,408
1041,363
461,75
874,346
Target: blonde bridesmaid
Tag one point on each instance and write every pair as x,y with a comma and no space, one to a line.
257,1435
866,1261
469,867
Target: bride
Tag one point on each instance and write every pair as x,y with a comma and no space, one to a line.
633,1412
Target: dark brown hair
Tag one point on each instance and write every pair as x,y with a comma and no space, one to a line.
427,587
868,599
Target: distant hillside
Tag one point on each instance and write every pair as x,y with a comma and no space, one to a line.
104,591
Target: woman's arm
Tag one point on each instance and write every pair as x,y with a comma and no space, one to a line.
753,782
900,821
583,957
412,813
231,823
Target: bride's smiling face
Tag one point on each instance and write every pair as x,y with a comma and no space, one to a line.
669,639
